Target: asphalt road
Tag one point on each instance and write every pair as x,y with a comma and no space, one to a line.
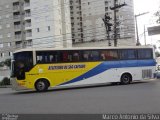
141,97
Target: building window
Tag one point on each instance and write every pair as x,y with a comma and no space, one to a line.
29,43
9,35
8,25
7,16
1,45
49,28
7,6
10,53
38,30
1,36
2,54
60,31
9,44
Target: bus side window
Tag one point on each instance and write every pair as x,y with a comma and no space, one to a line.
102,56
76,56
85,56
109,55
127,54
51,58
145,54
39,59
95,55
65,56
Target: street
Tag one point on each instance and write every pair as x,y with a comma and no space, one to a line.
139,97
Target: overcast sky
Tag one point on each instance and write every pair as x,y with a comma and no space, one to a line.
141,6
146,5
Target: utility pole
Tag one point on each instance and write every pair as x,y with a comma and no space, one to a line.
116,6
108,25
138,43
145,35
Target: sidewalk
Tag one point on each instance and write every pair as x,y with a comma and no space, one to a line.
6,86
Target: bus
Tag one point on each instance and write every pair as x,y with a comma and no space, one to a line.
40,69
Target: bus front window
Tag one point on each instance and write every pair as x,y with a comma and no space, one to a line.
23,62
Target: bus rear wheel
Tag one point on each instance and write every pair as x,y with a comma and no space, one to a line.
126,79
41,85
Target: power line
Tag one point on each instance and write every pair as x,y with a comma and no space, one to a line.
93,28
39,13
116,6
89,35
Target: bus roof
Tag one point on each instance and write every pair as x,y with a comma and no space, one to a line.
81,48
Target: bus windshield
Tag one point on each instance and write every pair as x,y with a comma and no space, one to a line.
22,62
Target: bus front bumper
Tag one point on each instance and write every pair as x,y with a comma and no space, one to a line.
18,86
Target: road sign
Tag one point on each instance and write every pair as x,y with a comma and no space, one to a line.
155,30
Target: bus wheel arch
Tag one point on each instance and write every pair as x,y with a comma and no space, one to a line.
126,78
42,84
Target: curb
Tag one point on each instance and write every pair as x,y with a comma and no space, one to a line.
8,86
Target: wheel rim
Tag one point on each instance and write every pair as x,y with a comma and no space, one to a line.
41,86
126,79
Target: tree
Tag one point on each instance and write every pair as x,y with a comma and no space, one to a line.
5,81
157,14
7,62
1,64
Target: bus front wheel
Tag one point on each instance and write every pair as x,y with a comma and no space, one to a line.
41,85
126,78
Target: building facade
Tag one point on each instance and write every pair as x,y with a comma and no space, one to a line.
58,23
33,23
51,26
93,32
7,41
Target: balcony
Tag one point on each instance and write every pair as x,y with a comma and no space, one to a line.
18,44
28,25
26,3
16,16
16,6
18,37
17,27
27,14
28,34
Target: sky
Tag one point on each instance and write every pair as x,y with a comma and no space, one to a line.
141,6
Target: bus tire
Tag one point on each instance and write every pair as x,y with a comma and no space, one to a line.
41,85
126,78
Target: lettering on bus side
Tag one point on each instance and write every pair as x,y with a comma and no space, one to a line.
67,67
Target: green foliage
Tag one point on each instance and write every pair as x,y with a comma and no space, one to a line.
1,64
5,81
157,14
7,62
157,54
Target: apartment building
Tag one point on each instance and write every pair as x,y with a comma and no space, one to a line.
76,21
33,23
92,29
51,24
6,29
58,23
